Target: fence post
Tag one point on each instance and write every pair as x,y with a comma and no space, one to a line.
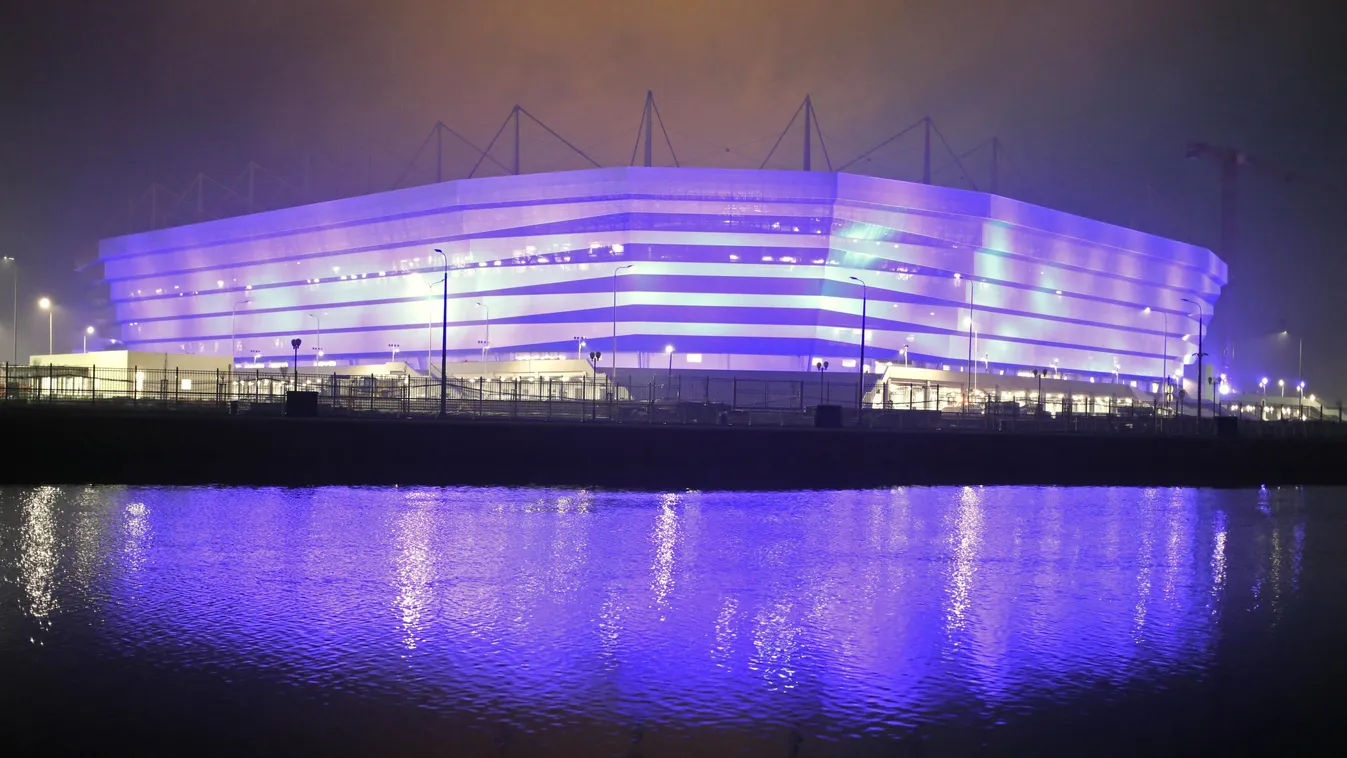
93,384
651,412
7,376
734,393
51,381
177,384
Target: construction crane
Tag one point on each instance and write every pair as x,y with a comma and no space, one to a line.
1231,161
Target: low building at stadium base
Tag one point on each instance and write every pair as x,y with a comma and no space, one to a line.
680,270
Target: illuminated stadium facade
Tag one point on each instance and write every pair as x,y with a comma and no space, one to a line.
740,270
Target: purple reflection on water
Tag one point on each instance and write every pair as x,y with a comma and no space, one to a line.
869,611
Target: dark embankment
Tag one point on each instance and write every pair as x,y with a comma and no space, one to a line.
64,447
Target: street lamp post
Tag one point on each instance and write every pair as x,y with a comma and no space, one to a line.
233,312
485,343
395,347
615,272
579,348
45,304
669,349
1281,385
15,265
295,343
905,355
860,381
444,328
1198,303
318,337
88,330
821,366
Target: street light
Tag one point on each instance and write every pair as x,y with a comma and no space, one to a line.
319,326
88,330
295,343
670,351
232,333
395,347
444,329
15,265
821,366
45,304
860,381
615,272
485,343
904,355
1164,359
1281,385
579,348
1198,303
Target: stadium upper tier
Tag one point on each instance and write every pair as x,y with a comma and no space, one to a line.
737,270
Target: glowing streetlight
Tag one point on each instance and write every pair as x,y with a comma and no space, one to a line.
15,265
1281,384
395,347
1198,304
233,312
485,343
860,383
904,355
88,330
669,350
45,304
616,271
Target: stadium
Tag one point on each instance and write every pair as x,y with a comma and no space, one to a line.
737,270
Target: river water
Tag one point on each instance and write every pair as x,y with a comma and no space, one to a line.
536,622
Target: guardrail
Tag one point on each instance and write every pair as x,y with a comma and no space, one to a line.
676,400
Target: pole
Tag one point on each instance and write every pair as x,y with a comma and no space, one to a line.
808,130
615,272
1200,378
1164,359
444,328
50,315
649,126
926,155
16,309
968,393
996,165
860,381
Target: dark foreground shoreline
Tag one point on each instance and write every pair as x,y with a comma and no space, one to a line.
64,447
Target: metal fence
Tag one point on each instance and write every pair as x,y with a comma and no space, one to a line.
668,399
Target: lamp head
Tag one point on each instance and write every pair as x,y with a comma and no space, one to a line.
44,303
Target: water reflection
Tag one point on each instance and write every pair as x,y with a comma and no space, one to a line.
873,609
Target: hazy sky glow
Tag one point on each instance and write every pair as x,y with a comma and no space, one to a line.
1093,100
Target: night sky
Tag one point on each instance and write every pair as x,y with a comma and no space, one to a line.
1094,102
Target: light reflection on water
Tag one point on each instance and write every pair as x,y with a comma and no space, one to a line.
836,614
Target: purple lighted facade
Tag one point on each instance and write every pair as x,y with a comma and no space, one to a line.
740,270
